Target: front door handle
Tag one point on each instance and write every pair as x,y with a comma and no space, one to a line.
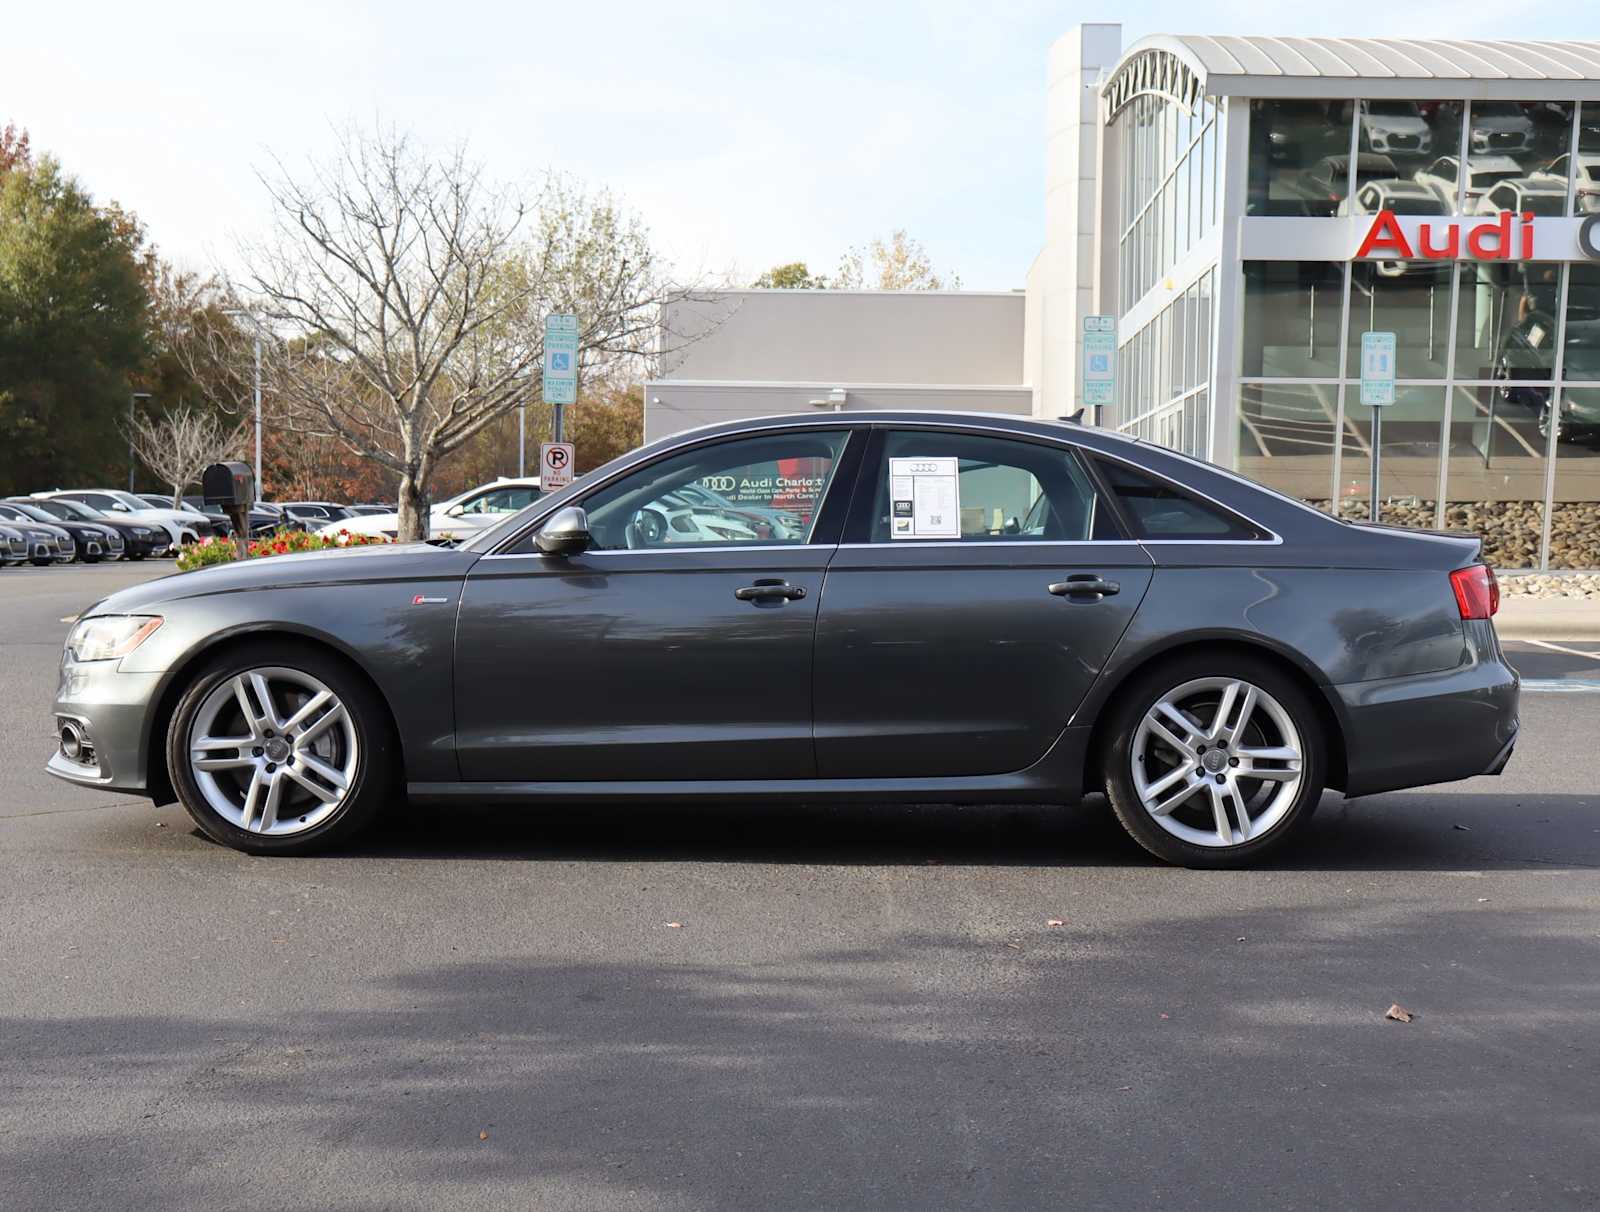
770,591
1085,585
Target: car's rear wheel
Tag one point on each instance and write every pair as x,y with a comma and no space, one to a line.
1213,761
280,749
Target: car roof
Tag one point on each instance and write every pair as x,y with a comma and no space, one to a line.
1532,185
1497,164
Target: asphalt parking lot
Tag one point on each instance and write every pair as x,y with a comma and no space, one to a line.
807,1007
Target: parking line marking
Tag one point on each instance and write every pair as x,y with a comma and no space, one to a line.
1593,656
1562,685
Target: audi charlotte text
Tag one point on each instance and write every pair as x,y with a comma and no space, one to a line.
952,608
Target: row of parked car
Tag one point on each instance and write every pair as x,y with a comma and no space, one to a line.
88,525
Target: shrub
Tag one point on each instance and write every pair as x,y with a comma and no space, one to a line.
285,542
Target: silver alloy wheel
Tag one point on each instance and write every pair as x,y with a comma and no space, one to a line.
273,751
1217,762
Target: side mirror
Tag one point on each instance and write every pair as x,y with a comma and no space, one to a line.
566,533
455,511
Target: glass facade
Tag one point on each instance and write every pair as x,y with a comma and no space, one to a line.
1163,387
1169,203
1496,423
1171,187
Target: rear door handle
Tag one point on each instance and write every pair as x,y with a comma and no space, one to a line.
1085,585
770,591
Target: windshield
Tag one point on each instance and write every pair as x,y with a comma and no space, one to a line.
128,499
34,512
1393,109
70,509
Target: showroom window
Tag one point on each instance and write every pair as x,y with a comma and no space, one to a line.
763,490
1005,490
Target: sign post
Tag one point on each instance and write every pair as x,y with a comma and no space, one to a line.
1377,393
555,465
560,366
1097,362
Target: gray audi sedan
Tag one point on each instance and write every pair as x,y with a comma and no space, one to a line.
860,606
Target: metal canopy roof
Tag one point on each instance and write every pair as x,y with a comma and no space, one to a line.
1362,67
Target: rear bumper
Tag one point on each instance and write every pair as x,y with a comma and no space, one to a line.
1430,728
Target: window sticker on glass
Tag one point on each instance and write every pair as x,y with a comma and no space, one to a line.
925,499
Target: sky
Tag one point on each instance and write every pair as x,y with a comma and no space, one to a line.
746,135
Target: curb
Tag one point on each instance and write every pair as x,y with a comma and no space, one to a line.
1548,619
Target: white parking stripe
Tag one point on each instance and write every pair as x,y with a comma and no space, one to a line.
1593,656
1561,685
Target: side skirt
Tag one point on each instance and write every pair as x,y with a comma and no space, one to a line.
1056,777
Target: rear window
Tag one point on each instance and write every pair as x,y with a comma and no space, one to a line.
1159,510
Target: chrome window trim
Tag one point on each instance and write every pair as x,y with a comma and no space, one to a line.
984,544
613,551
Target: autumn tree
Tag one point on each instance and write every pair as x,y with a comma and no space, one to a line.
899,263
15,151
406,295
793,276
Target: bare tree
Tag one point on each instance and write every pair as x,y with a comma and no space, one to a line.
407,297
898,263
179,445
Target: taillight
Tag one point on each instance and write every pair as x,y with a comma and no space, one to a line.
1477,591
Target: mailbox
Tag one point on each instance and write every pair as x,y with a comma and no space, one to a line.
228,484
231,486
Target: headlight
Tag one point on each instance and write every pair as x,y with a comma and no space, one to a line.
110,636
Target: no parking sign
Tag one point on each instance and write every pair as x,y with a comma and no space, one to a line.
555,465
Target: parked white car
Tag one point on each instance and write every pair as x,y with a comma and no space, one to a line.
1500,126
1587,194
1401,197
181,527
1395,128
1483,174
460,516
1543,198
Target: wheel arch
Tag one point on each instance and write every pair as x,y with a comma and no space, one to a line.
158,778
1290,664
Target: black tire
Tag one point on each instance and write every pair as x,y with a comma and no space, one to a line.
377,760
1145,691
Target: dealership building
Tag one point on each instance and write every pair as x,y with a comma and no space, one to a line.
1246,208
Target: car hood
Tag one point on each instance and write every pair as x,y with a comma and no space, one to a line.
418,562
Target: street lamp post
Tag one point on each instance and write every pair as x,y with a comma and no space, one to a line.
133,400
255,327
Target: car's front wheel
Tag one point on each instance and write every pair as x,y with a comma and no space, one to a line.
280,749
1213,761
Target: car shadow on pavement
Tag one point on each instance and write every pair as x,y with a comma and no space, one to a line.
1431,831
991,1066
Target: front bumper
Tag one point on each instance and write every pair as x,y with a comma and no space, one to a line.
113,708
1434,727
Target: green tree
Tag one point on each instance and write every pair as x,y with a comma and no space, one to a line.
898,263
793,276
73,327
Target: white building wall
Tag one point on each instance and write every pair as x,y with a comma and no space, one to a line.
734,355
1064,289
868,336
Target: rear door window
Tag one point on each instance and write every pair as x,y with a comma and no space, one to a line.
974,488
1160,510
